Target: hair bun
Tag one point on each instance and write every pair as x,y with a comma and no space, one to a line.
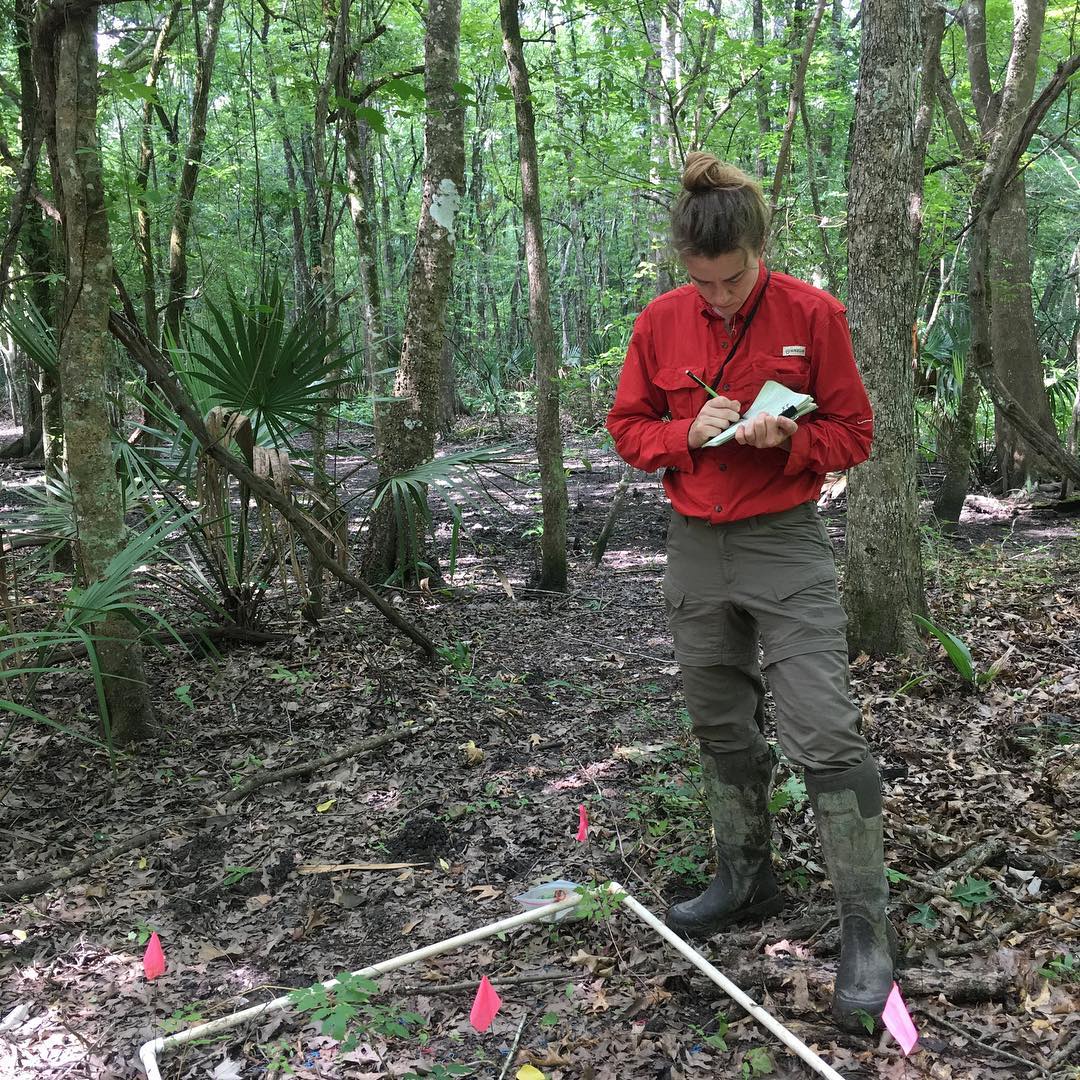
705,172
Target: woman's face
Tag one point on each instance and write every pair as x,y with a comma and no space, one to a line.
724,281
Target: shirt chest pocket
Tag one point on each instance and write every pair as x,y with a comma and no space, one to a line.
684,396
790,371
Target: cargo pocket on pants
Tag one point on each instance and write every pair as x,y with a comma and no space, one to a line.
698,627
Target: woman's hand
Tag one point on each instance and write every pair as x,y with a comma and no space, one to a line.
717,414
765,431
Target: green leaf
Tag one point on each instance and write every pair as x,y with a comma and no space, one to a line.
973,891
957,651
404,91
923,915
895,876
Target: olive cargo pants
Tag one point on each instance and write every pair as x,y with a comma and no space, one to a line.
771,579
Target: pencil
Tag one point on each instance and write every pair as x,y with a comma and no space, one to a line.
704,385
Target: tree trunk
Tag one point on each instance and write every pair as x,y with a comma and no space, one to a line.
1014,350
883,584
144,240
1072,439
68,61
189,175
549,446
395,545
954,453
1016,123
1013,342
794,99
761,95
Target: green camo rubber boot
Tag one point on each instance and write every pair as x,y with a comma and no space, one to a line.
743,889
847,808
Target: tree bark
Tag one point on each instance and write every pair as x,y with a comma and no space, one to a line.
793,103
408,437
1012,133
1014,348
883,584
549,446
1014,344
144,240
189,175
68,60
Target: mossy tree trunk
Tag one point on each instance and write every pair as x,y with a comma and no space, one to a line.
883,584
67,72
397,543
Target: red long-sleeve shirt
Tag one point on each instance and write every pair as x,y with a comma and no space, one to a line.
799,337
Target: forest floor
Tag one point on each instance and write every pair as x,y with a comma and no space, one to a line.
540,703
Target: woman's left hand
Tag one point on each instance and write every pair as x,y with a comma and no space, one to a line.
765,431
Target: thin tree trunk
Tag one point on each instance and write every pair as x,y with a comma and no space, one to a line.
549,446
793,103
189,175
410,425
144,240
883,584
761,95
1073,438
67,66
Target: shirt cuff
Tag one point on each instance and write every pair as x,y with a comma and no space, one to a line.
799,452
677,443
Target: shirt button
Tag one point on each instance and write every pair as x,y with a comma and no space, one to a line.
727,386
723,467
718,508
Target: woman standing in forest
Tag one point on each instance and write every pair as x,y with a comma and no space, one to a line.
749,560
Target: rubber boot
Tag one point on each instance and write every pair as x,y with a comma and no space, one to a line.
847,808
743,889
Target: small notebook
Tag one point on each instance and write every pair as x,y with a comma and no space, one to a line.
774,399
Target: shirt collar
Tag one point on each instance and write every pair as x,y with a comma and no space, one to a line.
708,311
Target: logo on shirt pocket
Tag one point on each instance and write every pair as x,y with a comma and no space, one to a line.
794,350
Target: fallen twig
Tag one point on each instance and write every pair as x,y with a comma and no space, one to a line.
513,1048
958,986
996,1051
205,819
428,989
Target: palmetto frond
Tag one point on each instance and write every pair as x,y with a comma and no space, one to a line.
252,360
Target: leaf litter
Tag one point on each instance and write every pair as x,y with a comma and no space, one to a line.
544,705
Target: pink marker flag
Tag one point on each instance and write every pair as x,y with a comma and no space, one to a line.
898,1021
583,824
486,1004
153,961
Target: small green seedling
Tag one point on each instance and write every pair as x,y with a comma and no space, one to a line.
960,655
757,1062
1063,968
866,1020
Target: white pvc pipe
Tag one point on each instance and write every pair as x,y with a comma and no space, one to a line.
791,1041
149,1051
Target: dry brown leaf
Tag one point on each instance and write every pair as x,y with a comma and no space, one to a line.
485,892
473,754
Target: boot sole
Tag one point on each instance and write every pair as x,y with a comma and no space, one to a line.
771,905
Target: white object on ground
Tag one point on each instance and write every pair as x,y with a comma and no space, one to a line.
150,1051
15,1017
764,1018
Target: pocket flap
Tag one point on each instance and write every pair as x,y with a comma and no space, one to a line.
674,594
670,378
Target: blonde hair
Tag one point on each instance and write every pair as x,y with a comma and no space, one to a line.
720,209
